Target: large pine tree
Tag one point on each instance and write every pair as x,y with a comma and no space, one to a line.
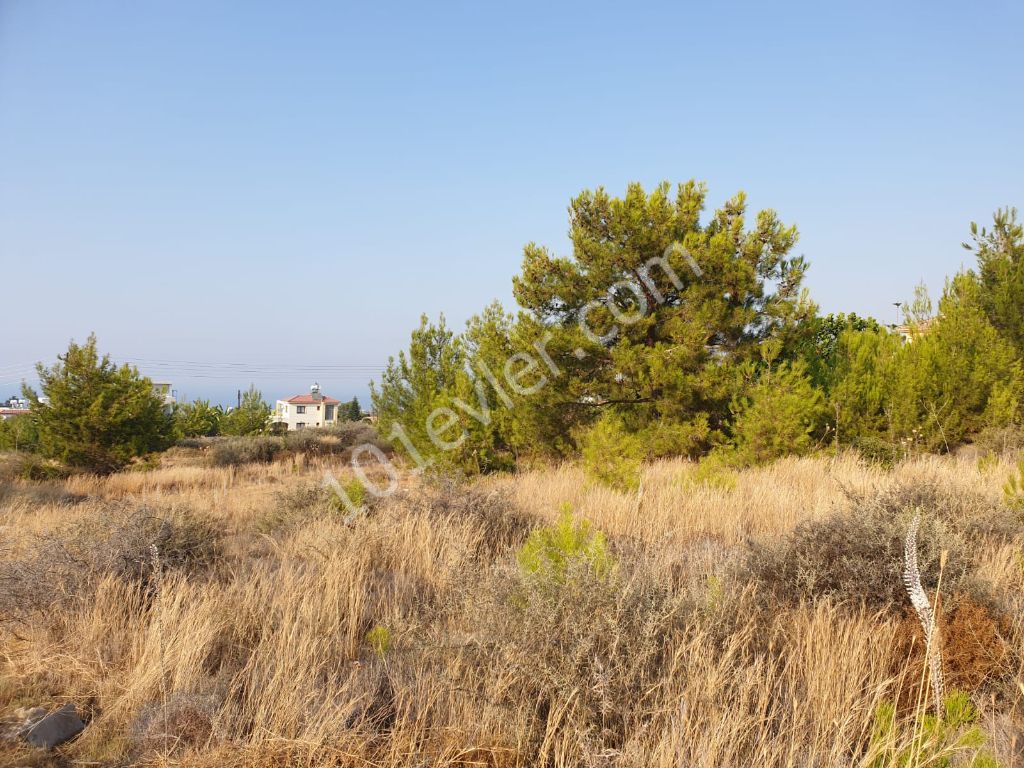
94,414
651,311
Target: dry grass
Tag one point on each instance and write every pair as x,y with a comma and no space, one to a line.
261,657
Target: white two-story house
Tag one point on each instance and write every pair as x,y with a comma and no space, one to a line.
307,411
163,390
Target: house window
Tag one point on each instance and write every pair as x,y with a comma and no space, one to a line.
328,413
300,425
300,409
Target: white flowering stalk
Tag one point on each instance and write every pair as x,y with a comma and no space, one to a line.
923,607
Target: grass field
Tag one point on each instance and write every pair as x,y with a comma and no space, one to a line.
748,619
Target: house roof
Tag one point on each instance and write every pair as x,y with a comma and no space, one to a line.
308,400
13,411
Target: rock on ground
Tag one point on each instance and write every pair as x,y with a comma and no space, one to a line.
40,729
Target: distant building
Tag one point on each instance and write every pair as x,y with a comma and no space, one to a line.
910,332
13,406
303,411
162,389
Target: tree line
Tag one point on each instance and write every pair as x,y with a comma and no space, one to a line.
95,415
665,334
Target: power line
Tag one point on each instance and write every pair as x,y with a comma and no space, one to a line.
16,373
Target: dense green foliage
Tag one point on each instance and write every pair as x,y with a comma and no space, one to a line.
251,417
351,411
198,419
1000,252
819,347
19,433
414,395
779,413
668,331
652,312
667,334
95,415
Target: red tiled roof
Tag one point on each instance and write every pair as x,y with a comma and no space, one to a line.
308,400
13,411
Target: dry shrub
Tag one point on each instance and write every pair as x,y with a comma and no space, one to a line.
982,520
29,496
10,465
314,442
184,722
974,645
1001,441
199,443
336,440
573,651
353,433
855,554
64,565
666,658
18,465
236,451
295,504
975,650
855,557
443,499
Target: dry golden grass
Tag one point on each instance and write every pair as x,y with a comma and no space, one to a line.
263,658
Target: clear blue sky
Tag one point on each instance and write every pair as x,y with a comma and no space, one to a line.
166,168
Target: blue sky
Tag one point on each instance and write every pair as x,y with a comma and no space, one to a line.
167,168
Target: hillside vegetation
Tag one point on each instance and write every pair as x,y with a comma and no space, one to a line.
664,514
673,330
235,615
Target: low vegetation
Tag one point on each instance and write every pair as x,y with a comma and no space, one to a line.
237,615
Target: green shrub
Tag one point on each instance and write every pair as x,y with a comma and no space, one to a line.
197,419
712,472
1013,490
19,434
780,415
987,463
35,468
356,492
879,449
611,454
937,739
552,551
251,417
379,639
